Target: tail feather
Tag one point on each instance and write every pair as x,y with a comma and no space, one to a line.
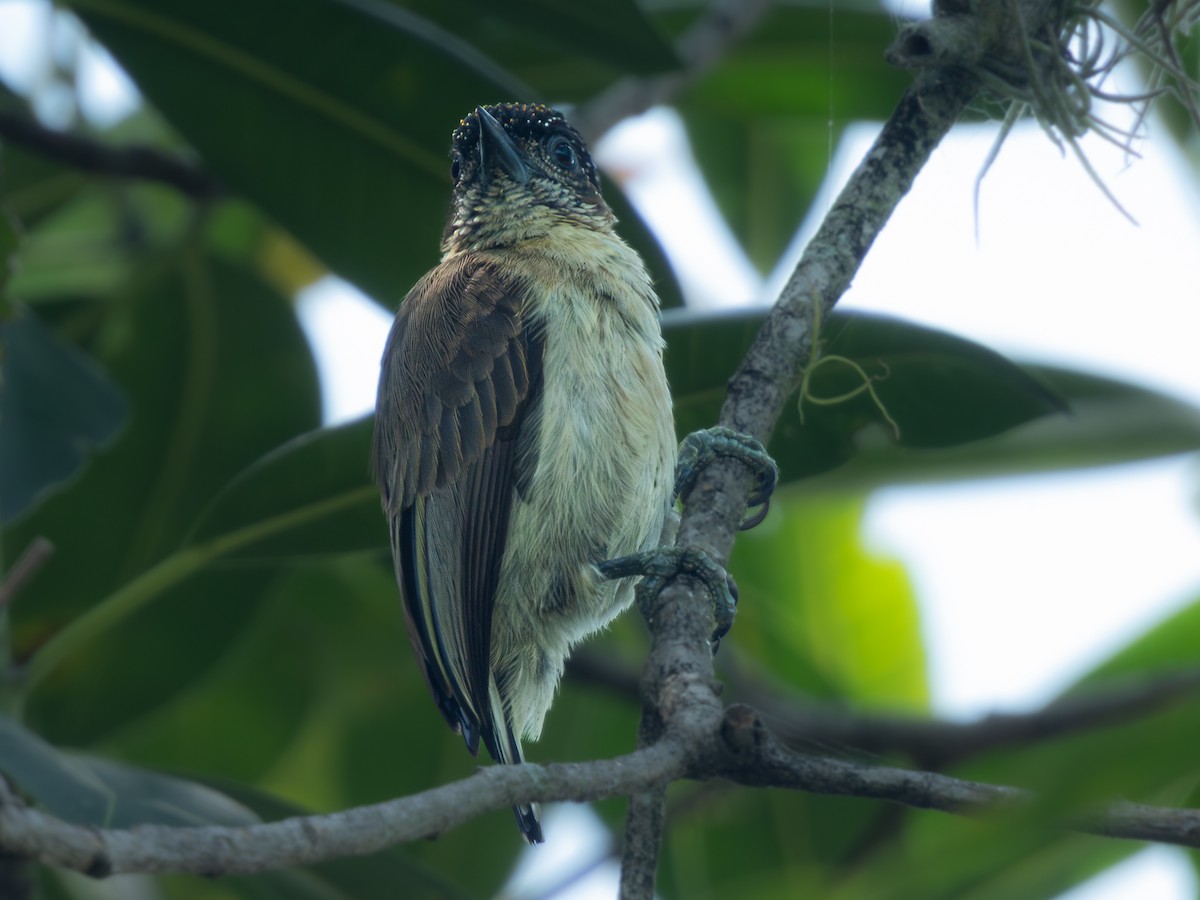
529,821
505,748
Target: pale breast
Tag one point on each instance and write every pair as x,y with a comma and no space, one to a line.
606,449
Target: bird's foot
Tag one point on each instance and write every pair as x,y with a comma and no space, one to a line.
700,448
658,566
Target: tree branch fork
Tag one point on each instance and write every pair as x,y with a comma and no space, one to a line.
739,749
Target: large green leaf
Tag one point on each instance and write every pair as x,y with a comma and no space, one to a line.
945,394
1149,759
730,842
84,688
821,613
9,237
92,246
217,372
338,131
564,51
764,123
56,409
1108,422
615,31
88,790
312,495
939,390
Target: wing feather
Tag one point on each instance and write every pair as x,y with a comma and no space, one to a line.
460,377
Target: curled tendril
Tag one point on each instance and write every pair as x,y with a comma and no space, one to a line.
867,386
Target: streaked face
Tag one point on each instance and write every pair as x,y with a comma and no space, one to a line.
534,168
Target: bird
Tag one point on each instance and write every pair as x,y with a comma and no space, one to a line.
524,432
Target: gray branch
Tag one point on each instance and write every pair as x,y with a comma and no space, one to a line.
742,750
302,840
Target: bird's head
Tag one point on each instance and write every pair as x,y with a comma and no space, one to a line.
519,169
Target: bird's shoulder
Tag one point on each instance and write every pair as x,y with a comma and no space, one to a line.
458,368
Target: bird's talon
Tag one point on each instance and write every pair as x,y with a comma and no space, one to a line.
724,611
659,566
700,448
756,518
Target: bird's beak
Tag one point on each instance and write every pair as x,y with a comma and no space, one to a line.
495,144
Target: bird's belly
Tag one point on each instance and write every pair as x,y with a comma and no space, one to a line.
601,488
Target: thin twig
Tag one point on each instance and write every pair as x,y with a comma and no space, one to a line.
935,744
701,47
26,566
778,766
132,161
932,743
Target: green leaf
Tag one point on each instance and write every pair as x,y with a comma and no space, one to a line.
1169,645
276,677
1149,759
764,123
88,790
761,845
962,410
339,132
143,797
1108,422
81,689
217,372
60,785
566,52
313,495
941,390
9,238
822,613
56,409
615,32
91,244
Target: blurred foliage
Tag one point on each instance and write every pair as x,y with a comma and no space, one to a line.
217,637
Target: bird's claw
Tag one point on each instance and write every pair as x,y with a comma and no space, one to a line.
659,566
700,448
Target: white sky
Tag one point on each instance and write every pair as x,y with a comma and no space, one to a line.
1108,552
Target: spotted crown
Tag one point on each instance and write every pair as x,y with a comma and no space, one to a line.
531,121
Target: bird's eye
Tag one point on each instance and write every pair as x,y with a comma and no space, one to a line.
563,153
455,168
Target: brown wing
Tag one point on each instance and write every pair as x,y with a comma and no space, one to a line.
461,374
